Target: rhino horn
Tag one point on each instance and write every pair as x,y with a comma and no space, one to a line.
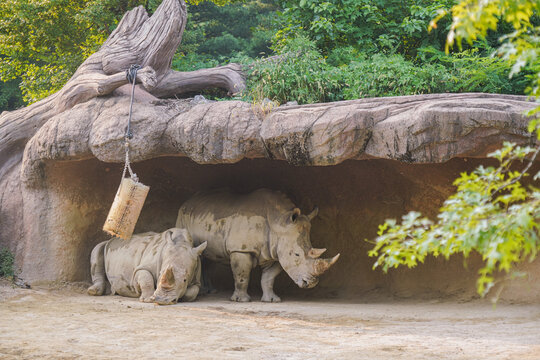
315,253
313,213
167,279
322,265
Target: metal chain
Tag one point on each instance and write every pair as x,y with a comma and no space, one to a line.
131,75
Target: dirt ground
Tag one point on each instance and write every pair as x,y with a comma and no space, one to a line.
65,323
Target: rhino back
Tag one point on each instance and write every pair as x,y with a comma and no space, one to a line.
231,222
123,257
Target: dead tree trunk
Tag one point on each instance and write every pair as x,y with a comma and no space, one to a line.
139,39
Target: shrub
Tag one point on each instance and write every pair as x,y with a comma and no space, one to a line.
225,45
6,264
299,73
392,75
191,62
343,56
10,96
473,72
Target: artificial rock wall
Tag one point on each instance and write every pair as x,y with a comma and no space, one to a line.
360,161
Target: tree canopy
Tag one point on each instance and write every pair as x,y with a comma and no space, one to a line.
386,26
42,42
351,49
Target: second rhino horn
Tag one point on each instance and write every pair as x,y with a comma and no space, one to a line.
315,253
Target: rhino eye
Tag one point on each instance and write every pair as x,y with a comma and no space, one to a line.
297,254
184,280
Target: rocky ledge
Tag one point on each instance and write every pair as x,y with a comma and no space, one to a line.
413,129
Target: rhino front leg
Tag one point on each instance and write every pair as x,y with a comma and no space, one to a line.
144,283
269,274
191,293
241,264
97,270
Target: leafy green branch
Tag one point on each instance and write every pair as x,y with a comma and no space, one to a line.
492,213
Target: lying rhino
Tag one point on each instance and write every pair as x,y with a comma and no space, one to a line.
262,228
133,267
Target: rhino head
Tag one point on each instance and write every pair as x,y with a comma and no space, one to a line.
294,251
179,266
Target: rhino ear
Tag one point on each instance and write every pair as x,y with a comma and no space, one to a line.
175,234
313,213
169,236
199,249
294,215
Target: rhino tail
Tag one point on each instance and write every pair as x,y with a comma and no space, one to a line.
97,270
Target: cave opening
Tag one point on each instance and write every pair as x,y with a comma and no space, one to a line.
353,197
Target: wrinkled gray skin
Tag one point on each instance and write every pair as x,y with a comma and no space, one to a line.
261,228
134,267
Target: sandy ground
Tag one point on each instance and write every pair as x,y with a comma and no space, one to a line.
67,324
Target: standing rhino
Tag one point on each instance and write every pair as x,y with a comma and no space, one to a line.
261,228
133,267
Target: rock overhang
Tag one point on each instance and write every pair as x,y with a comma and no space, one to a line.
413,129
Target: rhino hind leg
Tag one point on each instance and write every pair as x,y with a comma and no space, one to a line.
241,264
144,283
97,270
269,274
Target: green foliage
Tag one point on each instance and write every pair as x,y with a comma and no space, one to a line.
225,44
217,2
6,264
387,26
355,55
470,71
43,42
10,96
392,75
193,61
224,31
472,20
298,73
492,213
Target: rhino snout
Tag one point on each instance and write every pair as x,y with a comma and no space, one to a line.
163,300
307,283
